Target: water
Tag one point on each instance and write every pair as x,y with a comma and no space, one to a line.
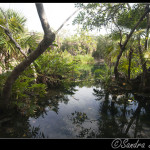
60,125
85,111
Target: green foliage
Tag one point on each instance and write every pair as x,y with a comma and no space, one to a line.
122,18
105,46
57,66
16,23
100,49
28,40
10,55
135,68
15,19
62,66
104,75
25,85
79,44
26,92
95,15
129,18
86,75
85,59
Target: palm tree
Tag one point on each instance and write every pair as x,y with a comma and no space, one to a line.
16,23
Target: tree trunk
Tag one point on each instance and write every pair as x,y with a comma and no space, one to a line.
49,37
129,67
143,64
136,113
116,65
147,30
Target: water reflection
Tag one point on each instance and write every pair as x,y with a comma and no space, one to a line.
14,125
119,116
84,110
22,124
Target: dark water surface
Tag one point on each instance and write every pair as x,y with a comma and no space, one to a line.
61,124
86,111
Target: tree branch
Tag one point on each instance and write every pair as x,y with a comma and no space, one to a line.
147,30
9,34
119,31
141,19
66,21
125,43
129,7
5,18
43,19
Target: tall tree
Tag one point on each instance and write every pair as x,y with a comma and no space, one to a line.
48,39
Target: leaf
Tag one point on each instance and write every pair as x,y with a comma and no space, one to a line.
55,45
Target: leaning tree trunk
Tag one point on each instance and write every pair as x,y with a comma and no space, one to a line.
122,47
143,64
147,30
48,39
129,67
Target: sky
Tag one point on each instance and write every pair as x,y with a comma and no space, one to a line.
56,14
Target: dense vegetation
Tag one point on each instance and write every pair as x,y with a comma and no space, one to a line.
128,51
125,51
57,67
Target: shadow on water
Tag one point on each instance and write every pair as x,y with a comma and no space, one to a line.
14,125
84,110
17,124
124,116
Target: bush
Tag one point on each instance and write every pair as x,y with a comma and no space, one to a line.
58,67
85,59
104,75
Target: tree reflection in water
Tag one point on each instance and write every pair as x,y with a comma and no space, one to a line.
119,115
123,116
16,124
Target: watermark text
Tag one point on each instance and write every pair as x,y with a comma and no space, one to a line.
118,143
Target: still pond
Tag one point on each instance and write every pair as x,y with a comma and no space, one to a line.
86,110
